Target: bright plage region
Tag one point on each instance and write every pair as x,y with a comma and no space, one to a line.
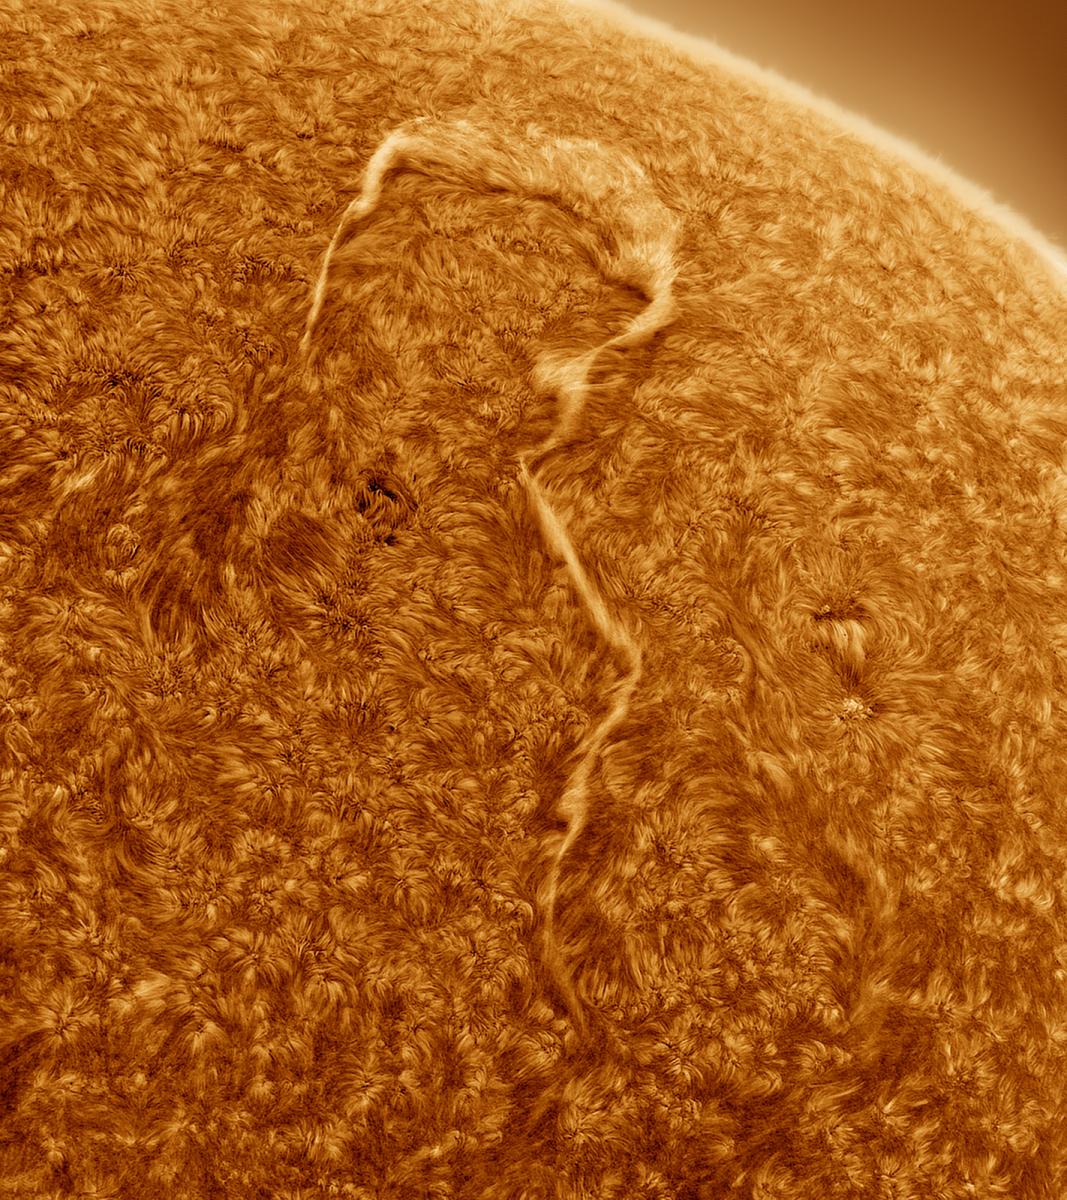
533,610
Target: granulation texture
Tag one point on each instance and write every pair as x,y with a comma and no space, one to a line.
533,609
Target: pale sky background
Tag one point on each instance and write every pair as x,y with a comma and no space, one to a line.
980,85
